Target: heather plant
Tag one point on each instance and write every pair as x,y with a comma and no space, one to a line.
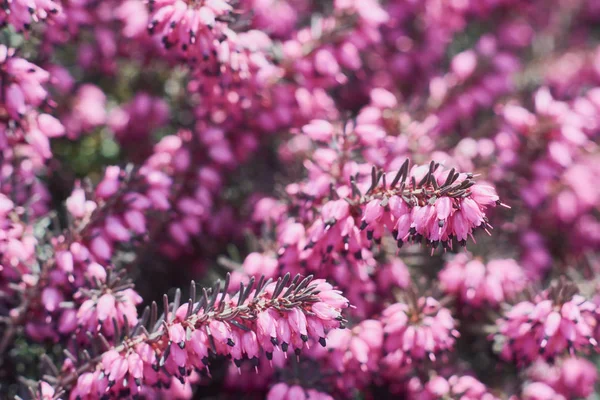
299,199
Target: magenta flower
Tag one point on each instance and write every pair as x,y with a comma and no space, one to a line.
100,311
88,111
477,284
354,354
431,204
23,83
282,314
416,331
188,25
570,377
393,274
282,391
557,321
25,132
199,32
21,14
463,387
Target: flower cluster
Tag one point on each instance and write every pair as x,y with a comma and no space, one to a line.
22,14
570,377
355,353
192,27
463,387
432,204
557,321
285,314
477,284
25,131
283,391
417,332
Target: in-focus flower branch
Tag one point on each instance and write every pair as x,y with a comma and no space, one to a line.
260,317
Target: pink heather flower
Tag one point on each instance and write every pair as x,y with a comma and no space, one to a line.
459,387
64,260
570,377
195,29
417,331
477,284
51,298
22,14
393,274
110,183
78,206
116,230
463,64
50,126
98,310
118,368
45,392
136,221
22,82
519,118
268,321
318,130
557,321
134,17
17,249
383,99
88,111
89,384
435,217
577,377
540,391
419,210
354,354
102,248
6,205
258,264
282,391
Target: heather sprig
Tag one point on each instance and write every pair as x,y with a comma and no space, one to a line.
557,321
258,318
